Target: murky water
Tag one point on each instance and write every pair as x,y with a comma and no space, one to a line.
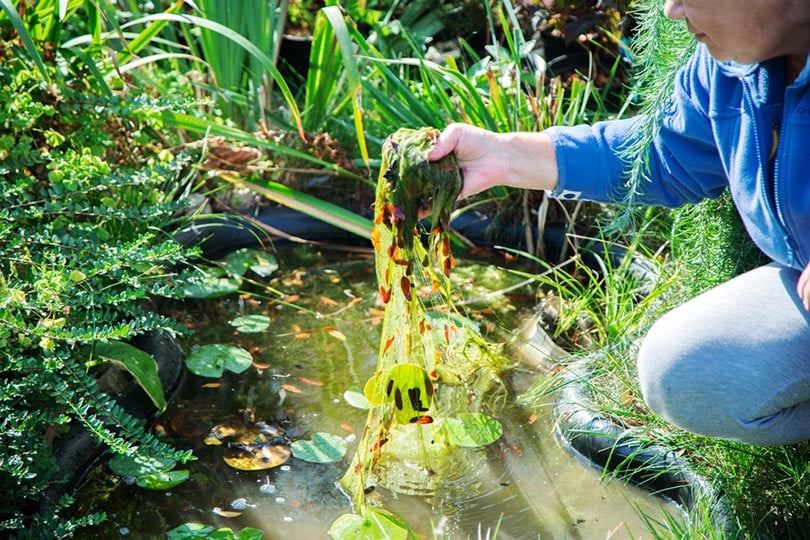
526,486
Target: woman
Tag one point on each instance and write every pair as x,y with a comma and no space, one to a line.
734,362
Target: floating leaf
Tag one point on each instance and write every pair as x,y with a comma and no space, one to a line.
212,284
472,429
320,448
241,260
213,360
162,480
226,513
139,465
355,397
337,334
291,388
257,458
140,364
374,524
256,447
251,324
188,531
195,531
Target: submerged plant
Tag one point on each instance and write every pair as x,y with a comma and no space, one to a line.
431,360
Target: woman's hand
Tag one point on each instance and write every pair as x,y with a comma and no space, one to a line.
803,287
486,159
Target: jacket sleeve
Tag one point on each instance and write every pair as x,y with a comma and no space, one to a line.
684,163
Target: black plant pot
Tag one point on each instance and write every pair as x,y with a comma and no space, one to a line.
77,451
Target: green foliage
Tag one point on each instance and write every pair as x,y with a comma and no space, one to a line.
661,47
710,245
189,531
88,193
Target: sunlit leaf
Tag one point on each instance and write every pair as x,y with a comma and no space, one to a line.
320,448
374,390
472,429
291,388
213,360
226,513
251,324
195,531
337,334
242,260
354,396
213,284
411,391
188,531
140,364
162,480
374,524
139,465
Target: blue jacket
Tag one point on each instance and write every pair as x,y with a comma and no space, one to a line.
720,130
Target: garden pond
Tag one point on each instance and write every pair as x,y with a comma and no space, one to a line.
316,347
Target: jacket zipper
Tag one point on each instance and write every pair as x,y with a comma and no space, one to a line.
771,181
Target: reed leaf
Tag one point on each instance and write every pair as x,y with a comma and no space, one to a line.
307,204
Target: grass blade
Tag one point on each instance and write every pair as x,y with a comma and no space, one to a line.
19,25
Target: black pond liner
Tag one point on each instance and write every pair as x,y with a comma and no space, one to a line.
607,446
279,227
77,451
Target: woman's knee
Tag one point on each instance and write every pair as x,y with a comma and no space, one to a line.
680,371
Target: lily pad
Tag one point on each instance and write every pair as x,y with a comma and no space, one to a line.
162,480
194,531
242,260
354,396
258,457
213,284
472,430
213,360
320,448
374,524
251,324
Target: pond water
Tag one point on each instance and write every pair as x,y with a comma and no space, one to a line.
323,340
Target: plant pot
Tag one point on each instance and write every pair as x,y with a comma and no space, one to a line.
77,451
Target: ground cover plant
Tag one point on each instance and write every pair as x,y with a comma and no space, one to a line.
87,193
88,154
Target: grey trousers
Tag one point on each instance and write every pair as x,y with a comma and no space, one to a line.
734,362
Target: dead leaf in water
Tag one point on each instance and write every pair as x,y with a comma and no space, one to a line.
225,513
326,301
257,458
337,334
